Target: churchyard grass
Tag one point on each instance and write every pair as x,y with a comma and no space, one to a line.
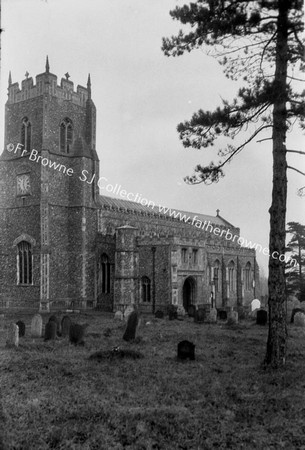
54,397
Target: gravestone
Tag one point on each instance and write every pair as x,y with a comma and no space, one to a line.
255,304
232,317
21,326
172,312
212,316
159,314
36,326
50,331
186,350
261,317
13,336
131,326
65,326
180,312
299,319
199,316
294,312
118,315
2,321
77,333
191,310
222,314
56,319
128,310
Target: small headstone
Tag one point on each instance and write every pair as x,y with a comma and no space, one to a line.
65,326
13,336
299,319
199,315
294,312
212,316
180,312
191,310
261,317
222,314
186,350
36,326
50,331
118,315
21,326
131,327
128,310
172,312
255,304
56,319
77,333
232,317
2,321
159,314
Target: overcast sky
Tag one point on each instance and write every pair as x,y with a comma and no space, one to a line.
141,95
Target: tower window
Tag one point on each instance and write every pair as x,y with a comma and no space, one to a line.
195,255
216,275
26,134
145,289
24,263
231,276
184,255
66,135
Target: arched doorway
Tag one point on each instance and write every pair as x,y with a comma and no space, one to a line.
188,292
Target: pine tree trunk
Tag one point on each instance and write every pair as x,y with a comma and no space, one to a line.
276,344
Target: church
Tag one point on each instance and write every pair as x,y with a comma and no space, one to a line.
65,246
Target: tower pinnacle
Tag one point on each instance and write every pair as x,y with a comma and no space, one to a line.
47,65
89,86
10,79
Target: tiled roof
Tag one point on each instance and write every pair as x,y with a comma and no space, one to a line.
124,205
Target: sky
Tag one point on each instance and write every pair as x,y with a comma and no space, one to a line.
141,95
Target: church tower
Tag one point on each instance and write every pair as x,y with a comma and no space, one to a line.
49,170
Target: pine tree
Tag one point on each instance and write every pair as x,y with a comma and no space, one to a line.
259,42
295,275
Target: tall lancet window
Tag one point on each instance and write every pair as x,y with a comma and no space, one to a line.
24,263
26,134
66,135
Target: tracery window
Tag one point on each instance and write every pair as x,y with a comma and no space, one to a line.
105,274
146,287
26,134
66,135
24,263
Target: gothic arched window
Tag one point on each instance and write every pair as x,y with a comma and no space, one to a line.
105,274
26,134
24,263
66,135
248,276
231,272
216,274
145,282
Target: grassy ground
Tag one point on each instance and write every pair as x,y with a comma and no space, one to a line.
55,397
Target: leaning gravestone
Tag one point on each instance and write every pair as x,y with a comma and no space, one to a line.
77,333
21,326
180,312
50,331
172,312
131,327
36,326
261,317
186,350
65,326
13,336
299,319
294,312
128,310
